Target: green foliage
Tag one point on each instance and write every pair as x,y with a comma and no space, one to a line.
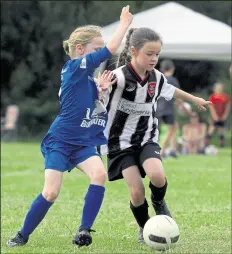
32,55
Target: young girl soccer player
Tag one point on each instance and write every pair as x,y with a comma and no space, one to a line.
132,132
72,137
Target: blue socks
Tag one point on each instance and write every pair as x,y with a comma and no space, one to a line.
35,215
40,206
93,201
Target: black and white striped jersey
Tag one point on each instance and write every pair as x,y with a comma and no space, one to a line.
131,105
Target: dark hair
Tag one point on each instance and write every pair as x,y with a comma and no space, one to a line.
166,65
136,37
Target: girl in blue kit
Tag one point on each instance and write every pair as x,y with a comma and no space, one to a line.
70,142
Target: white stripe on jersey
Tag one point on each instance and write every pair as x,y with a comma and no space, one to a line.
132,120
114,105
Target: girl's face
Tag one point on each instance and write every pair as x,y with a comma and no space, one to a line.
219,88
194,119
147,57
94,45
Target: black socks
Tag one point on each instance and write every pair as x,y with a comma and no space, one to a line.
157,194
140,213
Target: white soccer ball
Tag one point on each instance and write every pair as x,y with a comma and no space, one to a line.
161,232
211,150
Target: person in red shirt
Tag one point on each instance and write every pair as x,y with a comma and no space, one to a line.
219,111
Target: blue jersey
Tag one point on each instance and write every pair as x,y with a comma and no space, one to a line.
82,117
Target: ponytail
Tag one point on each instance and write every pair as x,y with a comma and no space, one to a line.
124,57
66,47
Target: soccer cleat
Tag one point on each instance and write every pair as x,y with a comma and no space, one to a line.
141,239
161,208
18,240
83,237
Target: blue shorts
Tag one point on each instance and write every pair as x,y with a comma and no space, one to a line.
63,156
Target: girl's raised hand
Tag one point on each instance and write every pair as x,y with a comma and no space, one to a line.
126,17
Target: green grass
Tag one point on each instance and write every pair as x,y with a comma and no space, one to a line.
199,196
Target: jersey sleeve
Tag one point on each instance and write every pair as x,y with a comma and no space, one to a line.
168,90
93,60
89,62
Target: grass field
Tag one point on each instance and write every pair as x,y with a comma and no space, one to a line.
199,196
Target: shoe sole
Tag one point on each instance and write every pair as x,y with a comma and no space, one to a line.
12,245
80,243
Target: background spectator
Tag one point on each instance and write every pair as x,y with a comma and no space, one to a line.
193,135
219,112
165,111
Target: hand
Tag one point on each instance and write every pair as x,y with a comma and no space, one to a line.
104,80
223,118
126,17
201,103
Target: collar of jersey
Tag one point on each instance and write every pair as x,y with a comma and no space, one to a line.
141,81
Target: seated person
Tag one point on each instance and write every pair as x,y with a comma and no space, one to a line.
193,135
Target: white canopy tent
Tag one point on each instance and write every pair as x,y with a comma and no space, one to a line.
186,34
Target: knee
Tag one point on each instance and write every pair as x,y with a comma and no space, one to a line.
50,195
158,178
137,196
99,176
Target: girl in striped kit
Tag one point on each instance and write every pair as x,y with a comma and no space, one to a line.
132,129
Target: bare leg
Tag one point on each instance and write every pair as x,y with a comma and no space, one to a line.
173,137
158,185
52,184
171,130
93,167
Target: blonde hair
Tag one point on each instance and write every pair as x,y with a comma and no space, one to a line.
218,84
81,35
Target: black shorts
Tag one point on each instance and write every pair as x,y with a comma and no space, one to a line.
219,123
168,119
132,156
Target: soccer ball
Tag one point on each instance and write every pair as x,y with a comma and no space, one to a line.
211,150
161,232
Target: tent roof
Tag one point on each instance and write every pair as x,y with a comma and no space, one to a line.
186,34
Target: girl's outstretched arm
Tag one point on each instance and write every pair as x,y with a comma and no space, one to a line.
200,102
125,21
